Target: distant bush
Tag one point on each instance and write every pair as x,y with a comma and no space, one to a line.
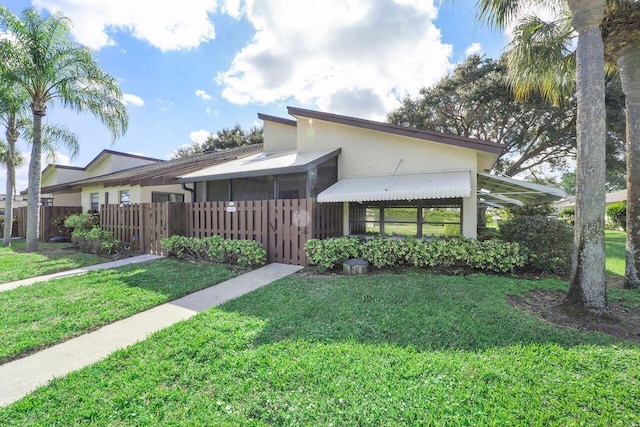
617,214
246,253
568,215
543,210
547,243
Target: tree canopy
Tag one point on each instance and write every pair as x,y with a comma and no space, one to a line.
477,101
222,140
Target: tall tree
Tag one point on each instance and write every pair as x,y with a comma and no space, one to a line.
41,58
587,290
621,32
222,140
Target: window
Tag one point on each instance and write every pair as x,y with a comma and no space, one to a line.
46,201
95,200
423,218
167,197
125,197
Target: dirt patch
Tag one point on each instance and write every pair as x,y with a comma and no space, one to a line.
624,322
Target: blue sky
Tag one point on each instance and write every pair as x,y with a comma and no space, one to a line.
196,66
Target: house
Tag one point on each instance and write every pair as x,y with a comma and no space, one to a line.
390,179
120,178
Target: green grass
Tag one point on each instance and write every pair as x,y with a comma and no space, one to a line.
16,264
615,241
412,349
46,313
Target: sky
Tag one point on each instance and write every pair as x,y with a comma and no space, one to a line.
190,68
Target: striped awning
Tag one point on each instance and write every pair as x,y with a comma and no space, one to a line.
432,185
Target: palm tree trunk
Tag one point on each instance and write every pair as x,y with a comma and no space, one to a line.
11,183
587,291
629,67
35,183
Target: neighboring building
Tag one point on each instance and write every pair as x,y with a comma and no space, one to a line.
120,178
610,198
18,201
390,179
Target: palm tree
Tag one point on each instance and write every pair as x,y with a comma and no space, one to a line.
587,290
621,32
13,109
42,59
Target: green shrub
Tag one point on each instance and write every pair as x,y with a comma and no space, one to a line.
494,255
452,230
95,241
547,243
382,253
329,253
617,214
81,222
246,253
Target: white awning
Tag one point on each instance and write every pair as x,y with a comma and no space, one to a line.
262,164
494,188
433,185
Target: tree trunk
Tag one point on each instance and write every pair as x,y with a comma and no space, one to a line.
587,290
12,137
35,183
629,67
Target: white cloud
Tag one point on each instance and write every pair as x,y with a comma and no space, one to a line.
134,100
199,136
162,23
354,57
202,94
473,49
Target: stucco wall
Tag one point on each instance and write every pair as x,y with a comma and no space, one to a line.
366,152
60,175
278,136
112,163
67,199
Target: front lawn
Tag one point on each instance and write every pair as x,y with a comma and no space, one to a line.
16,264
411,349
616,254
46,313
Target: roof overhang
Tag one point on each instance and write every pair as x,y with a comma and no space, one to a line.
262,164
417,186
504,190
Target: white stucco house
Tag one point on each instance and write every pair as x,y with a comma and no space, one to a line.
374,169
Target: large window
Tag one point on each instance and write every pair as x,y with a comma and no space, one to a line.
423,218
95,201
157,197
125,197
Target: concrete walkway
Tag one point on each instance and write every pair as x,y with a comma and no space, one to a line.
78,271
20,377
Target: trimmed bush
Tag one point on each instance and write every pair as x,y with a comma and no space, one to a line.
246,253
547,243
568,215
493,255
95,241
617,214
329,253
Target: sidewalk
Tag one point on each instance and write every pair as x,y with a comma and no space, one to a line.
20,377
78,271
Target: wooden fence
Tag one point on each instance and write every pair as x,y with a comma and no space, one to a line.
48,214
282,226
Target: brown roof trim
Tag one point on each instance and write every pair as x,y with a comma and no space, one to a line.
275,119
427,135
164,172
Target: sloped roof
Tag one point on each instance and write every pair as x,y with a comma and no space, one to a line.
161,173
391,128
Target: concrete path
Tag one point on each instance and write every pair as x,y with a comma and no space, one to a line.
78,271
20,377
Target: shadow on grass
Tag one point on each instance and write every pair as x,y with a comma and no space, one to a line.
423,311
